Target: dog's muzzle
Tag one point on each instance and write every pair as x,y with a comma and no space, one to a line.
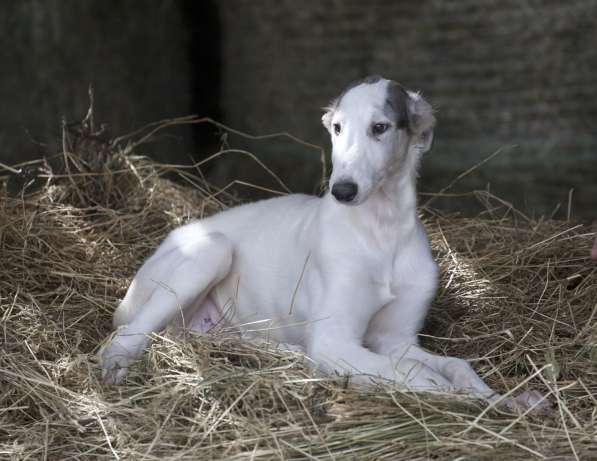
345,191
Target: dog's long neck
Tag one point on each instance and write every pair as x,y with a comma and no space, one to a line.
390,213
393,207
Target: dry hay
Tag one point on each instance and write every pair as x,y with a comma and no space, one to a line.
517,296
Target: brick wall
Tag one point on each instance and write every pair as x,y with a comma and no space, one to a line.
499,73
135,54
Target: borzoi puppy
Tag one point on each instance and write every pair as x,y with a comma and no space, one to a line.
348,276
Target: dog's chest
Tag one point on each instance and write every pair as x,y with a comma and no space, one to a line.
381,276
396,266
385,287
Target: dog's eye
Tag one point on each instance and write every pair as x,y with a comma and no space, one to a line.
379,128
337,128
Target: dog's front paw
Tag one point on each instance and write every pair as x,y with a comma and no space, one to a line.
532,401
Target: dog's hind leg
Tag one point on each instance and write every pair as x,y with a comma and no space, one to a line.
193,269
138,293
147,279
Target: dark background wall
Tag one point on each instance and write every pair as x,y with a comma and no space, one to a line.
510,75
515,75
145,59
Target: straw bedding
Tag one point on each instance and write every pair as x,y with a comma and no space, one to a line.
518,297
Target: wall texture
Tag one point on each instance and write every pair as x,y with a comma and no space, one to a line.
135,54
499,73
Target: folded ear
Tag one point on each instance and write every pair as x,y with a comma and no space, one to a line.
326,118
421,122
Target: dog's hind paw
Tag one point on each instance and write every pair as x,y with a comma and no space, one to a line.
114,375
117,356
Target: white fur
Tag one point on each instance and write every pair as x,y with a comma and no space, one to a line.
351,284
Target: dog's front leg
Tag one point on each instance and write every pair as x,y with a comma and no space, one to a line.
393,332
462,377
343,355
336,345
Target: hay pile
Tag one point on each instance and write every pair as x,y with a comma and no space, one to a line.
517,296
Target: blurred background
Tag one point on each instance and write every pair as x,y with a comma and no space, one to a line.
514,76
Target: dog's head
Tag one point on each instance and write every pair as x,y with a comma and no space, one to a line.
378,129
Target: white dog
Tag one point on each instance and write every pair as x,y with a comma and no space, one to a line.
348,276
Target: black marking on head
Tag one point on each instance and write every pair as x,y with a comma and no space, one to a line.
395,107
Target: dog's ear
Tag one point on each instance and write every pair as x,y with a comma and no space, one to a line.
326,118
420,122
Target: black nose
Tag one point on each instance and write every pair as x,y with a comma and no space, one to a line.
345,191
